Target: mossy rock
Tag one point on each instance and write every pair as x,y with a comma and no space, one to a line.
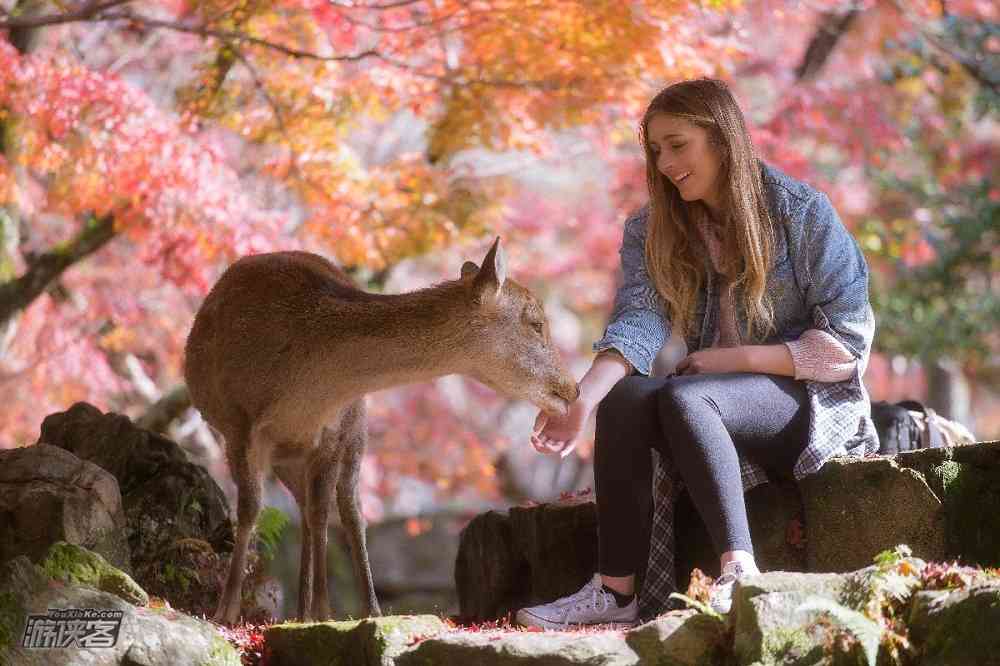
966,479
972,506
957,627
506,648
70,563
681,638
372,641
67,580
768,627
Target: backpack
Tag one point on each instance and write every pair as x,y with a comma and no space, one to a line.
909,425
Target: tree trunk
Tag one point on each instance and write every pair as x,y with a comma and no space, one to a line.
948,391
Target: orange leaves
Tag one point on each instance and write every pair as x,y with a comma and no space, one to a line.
404,208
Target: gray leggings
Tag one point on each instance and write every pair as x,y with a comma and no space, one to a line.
699,422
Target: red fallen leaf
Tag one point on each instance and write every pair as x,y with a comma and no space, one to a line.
534,629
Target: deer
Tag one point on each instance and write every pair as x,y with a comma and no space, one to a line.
282,352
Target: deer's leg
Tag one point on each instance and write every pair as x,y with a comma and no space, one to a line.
355,439
245,462
295,480
321,486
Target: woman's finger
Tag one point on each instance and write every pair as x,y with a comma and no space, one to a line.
568,450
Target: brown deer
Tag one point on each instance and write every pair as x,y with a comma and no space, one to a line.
282,352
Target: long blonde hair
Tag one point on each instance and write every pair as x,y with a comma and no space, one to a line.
674,249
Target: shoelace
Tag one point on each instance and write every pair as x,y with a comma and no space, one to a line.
730,573
577,596
595,594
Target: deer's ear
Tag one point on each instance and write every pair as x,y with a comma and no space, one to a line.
490,279
469,268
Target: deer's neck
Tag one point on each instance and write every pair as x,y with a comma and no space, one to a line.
387,340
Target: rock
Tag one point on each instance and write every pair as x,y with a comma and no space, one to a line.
529,648
559,528
957,627
768,626
49,495
681,638
855,508
146,636
369,642
491,577
177,517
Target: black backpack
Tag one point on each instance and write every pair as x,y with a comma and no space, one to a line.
909,425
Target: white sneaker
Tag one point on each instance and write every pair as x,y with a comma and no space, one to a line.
591,605
720,595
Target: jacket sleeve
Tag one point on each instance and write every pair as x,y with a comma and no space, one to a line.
835,274
638,327
818,356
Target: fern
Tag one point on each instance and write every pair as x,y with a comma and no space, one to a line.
888,558
697,605
867,632
270,525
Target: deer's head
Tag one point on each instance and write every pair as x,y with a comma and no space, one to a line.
510,349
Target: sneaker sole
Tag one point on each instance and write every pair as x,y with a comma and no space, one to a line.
527,620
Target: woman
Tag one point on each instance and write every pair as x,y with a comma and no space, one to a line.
756,272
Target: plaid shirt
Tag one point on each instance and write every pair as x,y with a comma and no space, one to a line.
819,279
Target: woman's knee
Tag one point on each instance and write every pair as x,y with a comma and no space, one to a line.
682,396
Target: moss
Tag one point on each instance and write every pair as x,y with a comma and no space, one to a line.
950,474
789,644
73,564
10,614
221,654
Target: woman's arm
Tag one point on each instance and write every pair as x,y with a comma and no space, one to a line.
638,326
769,359
607,370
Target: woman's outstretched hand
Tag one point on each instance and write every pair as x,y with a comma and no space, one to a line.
560,434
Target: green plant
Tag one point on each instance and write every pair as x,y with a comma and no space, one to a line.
270,526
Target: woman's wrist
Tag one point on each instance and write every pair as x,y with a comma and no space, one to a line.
606,371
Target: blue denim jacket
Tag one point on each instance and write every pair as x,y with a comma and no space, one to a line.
819,279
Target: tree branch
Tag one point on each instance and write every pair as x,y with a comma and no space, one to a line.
385,5
17,294
832,27
171,405
85,13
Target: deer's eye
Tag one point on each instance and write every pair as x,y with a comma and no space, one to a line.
538,326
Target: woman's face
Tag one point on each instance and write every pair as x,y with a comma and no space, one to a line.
684,155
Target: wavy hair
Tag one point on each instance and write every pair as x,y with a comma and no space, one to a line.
674,249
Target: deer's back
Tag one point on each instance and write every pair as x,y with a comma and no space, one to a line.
251,332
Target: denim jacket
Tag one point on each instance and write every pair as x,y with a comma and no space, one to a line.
819,279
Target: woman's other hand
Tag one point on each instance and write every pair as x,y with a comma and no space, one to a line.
714,360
